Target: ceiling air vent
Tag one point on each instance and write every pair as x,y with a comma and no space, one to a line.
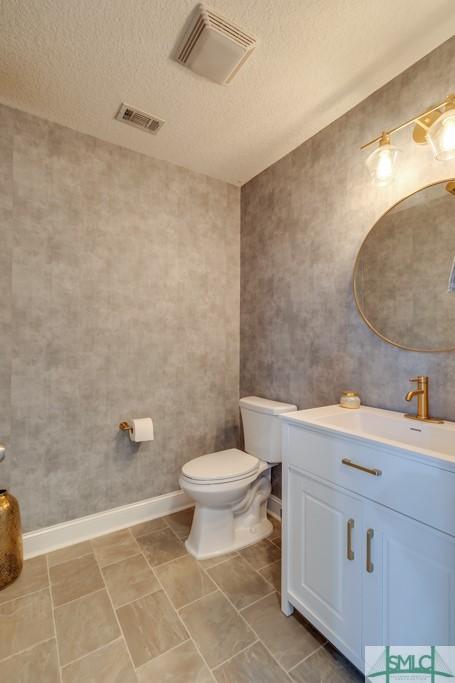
139,119
213,47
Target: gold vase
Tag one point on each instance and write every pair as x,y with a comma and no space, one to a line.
11,556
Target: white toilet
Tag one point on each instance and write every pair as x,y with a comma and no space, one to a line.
231,487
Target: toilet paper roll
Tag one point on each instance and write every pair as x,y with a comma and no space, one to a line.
142,429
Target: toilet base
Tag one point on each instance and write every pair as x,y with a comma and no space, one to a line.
243,537
228,516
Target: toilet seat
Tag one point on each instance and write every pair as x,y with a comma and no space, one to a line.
221,467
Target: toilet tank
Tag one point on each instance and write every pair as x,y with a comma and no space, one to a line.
262,428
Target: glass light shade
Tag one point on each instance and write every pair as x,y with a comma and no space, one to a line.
382,163
441,136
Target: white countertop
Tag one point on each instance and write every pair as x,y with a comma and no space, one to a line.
383,427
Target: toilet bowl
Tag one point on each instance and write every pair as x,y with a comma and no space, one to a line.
231,487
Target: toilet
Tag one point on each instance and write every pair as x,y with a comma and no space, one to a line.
231,487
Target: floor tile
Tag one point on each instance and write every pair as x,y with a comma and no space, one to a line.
184,581
183,664
151,626
110,664
289,639
147,527
180,522
161,546
213,561
254,664
114,547
327,665
33,578
70,553
272,574
39,664
241,583
75,578
219,631
85,625
129,580
24,622
261,554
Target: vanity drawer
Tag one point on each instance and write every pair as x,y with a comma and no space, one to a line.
425,492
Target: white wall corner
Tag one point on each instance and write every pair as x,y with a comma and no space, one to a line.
274,507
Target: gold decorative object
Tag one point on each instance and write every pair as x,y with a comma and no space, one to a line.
11,555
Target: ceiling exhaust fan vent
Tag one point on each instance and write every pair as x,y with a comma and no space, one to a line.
214,47
139,119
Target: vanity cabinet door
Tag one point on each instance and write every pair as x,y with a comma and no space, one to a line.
409,590
324,572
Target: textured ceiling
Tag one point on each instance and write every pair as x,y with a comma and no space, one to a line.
74,61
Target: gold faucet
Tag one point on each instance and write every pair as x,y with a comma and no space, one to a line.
421,392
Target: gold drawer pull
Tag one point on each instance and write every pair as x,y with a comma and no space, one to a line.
350,552
369,470
370,565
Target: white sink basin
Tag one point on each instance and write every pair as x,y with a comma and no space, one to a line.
384,426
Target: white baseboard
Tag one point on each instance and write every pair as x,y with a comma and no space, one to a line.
76,530
274,507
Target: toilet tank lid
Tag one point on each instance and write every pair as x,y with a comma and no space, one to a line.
264,405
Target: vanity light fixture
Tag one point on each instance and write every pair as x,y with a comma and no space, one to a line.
441,135
381,162
435,126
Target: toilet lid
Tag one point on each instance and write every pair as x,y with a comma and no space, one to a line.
221,466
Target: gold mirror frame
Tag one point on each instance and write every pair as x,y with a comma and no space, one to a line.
356,297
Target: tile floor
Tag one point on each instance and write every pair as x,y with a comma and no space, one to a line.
134,607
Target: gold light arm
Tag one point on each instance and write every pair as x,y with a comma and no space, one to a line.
450,99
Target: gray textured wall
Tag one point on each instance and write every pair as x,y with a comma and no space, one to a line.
119,282
303,221
119,278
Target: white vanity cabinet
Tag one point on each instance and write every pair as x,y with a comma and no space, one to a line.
409,595
362,572
319,575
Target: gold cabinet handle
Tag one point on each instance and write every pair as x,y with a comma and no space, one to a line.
369,470
349,527
370,565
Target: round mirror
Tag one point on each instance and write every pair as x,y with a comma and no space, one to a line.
404,275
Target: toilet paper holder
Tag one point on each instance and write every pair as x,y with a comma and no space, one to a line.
140,429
